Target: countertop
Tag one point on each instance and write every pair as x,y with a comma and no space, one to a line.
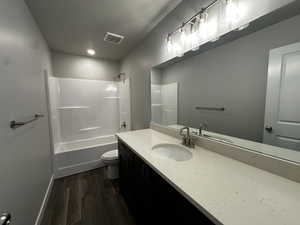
227,191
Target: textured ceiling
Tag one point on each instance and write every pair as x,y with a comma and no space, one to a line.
72,26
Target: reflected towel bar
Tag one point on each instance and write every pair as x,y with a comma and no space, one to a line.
14,124
210,108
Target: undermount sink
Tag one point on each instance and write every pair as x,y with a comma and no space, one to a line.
172,151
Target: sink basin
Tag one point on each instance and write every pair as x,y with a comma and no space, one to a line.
172,151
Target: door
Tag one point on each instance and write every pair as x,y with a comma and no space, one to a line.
282,115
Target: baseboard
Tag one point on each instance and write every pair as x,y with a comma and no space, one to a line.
78,168
45,201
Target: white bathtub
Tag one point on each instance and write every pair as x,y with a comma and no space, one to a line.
82,155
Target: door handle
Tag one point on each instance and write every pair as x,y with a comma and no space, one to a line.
269,129
5,219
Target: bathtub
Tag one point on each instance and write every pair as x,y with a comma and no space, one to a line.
81,155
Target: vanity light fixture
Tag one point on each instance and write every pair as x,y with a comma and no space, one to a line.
91,52
201,28
186,38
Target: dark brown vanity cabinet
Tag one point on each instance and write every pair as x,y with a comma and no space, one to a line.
151,199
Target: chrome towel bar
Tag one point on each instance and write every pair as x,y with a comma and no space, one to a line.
14,124
210,108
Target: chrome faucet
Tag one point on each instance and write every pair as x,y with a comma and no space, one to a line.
186,138
202,127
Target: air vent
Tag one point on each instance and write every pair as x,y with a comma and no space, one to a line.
113,38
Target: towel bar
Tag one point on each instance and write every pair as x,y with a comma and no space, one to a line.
14,124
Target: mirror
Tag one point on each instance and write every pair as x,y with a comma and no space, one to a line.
236,94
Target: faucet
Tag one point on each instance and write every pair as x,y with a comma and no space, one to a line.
186,138
201,128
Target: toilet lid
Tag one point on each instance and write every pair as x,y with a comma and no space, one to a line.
111,155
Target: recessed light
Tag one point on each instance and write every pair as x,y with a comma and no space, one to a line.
91,51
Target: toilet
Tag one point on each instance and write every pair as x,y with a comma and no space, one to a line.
111,160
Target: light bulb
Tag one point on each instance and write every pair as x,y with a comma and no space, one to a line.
232,11
212,29
169,44
178,50
203,26
183,36
194,36
194,41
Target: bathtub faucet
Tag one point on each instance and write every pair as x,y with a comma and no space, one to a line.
123,125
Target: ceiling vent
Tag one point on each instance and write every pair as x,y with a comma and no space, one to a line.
113,38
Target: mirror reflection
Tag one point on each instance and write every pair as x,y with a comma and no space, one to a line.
226,99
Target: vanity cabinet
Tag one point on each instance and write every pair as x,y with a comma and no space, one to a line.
151,199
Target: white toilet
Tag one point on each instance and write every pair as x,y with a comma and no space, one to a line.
111,161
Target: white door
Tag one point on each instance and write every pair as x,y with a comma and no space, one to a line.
282,115
125,105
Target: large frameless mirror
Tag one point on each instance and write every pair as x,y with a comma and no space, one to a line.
244,93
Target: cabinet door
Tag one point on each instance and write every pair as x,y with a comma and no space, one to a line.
125,175
122,168
171,207
150,198
131,182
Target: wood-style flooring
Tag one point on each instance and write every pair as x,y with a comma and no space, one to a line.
86,199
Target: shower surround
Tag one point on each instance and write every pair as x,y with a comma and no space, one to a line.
85,115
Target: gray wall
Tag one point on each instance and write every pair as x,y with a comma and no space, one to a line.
141,59
72,66
26,157
245,59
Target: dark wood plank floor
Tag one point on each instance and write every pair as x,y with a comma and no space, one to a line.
86,199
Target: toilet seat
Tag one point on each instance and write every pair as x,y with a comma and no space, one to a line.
110,156
111,161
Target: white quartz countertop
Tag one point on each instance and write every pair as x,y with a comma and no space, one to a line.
226,190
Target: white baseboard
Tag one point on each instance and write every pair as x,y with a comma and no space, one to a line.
45,201
78,168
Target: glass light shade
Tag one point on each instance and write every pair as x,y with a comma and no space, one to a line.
232,12
178,44
203,28
183,36
178,50
194,35
190,37
212,29
169,45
